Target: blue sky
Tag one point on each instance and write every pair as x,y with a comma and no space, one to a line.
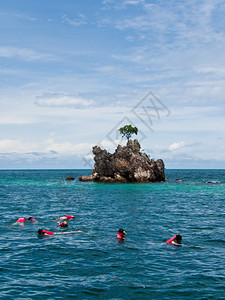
74,71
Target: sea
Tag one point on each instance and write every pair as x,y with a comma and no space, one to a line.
93,264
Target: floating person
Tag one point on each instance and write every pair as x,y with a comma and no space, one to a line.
42,232
21,221
175,240
63,224
66,217
121,234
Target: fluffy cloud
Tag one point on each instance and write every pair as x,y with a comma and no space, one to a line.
176,146
80,20
68,148
25,54
81,149
63,100
16,145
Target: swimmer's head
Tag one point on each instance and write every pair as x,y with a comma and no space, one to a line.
30,219
40,232
178,238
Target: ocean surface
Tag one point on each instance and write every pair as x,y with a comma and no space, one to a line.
94,264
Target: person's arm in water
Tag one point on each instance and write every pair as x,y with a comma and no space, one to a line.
61,218
176,240
68,232
170,240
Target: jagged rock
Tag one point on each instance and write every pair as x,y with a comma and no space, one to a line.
86,178
126,164
70,178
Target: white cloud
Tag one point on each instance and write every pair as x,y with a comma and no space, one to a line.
16,145
25,54
69,148
176,146
63,100
132,2
81,149
78,21
122,4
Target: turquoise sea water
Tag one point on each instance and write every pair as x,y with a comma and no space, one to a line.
94,264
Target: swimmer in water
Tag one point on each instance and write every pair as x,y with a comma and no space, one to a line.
66,217
121,234
63,224
42,232
175,240
21,221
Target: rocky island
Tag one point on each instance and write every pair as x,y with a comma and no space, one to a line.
126,164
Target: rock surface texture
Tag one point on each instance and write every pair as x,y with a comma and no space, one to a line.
126,164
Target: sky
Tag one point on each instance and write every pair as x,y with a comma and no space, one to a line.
73,72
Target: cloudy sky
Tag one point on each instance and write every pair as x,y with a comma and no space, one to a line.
72,72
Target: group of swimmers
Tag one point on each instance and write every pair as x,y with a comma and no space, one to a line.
43,232
121,233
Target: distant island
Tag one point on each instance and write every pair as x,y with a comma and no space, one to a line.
126,164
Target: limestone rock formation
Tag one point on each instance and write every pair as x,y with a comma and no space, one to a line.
126,164
70,178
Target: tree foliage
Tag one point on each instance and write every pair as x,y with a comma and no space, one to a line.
127,131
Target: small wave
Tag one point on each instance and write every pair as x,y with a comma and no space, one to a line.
218,241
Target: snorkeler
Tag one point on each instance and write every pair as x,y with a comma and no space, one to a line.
63,224
121,234
176,240
22,220
42,232
65,218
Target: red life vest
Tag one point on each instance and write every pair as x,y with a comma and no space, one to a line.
70,217
47,232
21,220
120,236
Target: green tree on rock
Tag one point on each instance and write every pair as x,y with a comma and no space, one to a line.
127,131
